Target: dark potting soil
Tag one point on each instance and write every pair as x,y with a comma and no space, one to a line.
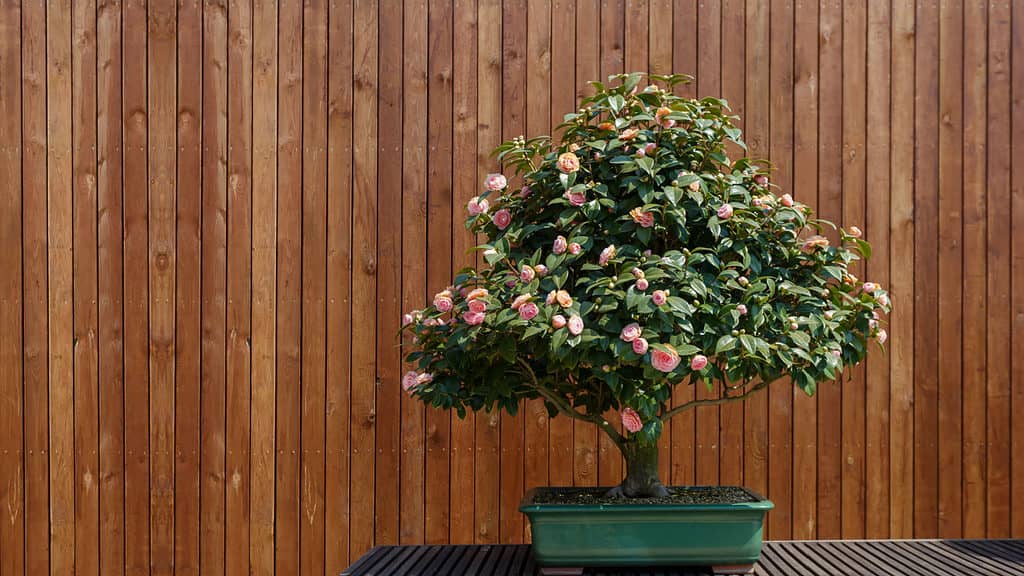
676,495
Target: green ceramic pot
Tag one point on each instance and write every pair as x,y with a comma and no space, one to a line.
627,534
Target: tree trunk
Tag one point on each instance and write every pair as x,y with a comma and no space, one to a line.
641,479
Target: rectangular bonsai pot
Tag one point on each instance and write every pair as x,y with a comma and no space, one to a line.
642,534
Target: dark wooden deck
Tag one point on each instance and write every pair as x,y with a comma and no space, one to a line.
814,558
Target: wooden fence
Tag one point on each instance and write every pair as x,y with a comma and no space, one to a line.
212,215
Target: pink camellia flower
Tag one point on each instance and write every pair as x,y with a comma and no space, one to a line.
575,248
630,332
528,311
757,202
640,346
883,300
855,232
694,186
495,182
443,301
869,287
664,360
406,319
637,272
424,378
575,325
875,315
787,200
409,380
641,153
641,284
608,126
667,122
643,218
606,255
629,134
881,336
563,298
477,306
631,420
578,198
558,321
525,191
527,274
520,300
559,246
541,270
502,218
568,163
650,147
473,318
813,243
477,206
872,324
742,309
476,293
659,297
662,112
551,297
698,362
725,211
761,180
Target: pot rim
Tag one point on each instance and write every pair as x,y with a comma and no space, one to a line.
527,505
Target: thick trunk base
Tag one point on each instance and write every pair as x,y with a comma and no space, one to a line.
641,479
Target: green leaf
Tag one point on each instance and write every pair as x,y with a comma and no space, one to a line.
714,226
749,343
558,338
725,343
801,339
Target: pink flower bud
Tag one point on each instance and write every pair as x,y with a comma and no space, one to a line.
659,297
541,270
477,206
742,309
527,274
495,182
631,420
787,200
502,218
640,346
575,248
528,311
606,255
725,211
575,325
559,245
664,360
630,332
557,321
641,284
698,362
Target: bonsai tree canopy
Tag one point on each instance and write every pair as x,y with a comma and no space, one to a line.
635,256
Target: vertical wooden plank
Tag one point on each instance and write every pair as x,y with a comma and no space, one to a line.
414,270
974,373
439,245
239,287
1017,262
486,487
805,172
389,273
830,207
136,292
513,122
901,241
84,241
189,289
926,214
709,83
637,36
464,186
659,61
214,288
34,286
339,282
588,58
684,59
877,230
111,285
563,101
264,280
289,289
364,278
538,121
755,411
998,248
12,456
162,32
950,266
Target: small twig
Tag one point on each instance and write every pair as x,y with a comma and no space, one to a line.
712,401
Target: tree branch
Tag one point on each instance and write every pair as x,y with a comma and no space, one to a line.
713,401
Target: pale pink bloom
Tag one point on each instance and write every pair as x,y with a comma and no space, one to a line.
637,273
551,298
829,314
659,297
787,200
743,281
568,162
477,206
575,325
855,232
476,293
525,191
528,311
563,298
409,380
643,218
477,306
640,346
558,321
695,186
650,147
698,362
761,180
725,211
641,284
813,243
641,153
630,332
425,378
869,287
473,318
629,134
575,248
606,254
647,252
631,420
668,122
578,198
443,302
883,300
559,245
541,270
502,218
406,319
881,336
495,182
756,202
872,324
520,300
527,274
742,309
837,353
665,360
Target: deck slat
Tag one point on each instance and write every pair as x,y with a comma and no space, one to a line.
783,558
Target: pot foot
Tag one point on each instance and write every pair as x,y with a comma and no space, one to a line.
733,569
560,571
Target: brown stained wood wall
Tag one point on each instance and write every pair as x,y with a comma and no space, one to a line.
212,215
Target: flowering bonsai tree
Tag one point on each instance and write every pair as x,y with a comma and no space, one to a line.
637,257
